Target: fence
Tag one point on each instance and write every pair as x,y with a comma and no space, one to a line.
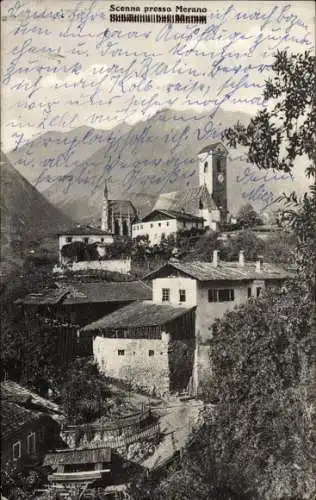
121,423
113,441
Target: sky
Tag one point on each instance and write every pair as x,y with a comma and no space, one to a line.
65,65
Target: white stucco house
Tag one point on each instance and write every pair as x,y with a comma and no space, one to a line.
161,223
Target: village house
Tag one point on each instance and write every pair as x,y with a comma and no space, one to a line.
84,234
79,467
148,345
29,424
208,199
151,343
213,288
159,224
72,305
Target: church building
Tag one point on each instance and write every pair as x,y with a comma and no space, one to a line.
117,215
206,202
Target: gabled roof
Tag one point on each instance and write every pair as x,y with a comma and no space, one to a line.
189,200
104,291
206,271
78,456
173,214
15,393
83,230
211,147
14,417
45,297
138,314
86,293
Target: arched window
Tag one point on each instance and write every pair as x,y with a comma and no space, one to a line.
201,206
205,167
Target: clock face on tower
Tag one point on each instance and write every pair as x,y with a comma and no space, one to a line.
220,178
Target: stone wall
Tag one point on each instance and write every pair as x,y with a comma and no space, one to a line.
144,363
122,266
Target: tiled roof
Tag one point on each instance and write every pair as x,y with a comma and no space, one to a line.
206,271
85,293
188,200
78,456
173,214
211,147
15,393
104,291
138,314
81,230
49,296
15,417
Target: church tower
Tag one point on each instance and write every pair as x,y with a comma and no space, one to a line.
105,208
213,175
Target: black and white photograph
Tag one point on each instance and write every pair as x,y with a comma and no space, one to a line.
158,250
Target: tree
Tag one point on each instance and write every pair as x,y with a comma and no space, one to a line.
247,217
245,240
78,251
283,131
280,247
260,365
83,393
275,138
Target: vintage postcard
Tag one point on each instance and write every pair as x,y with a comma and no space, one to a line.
158,238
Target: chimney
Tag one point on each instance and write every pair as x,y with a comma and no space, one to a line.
241,258
259,264
215,258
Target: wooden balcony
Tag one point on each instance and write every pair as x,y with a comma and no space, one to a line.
82,476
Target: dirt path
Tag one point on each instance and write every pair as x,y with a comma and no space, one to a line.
176,422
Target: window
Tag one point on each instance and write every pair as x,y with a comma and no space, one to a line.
258,291
151,353
151,225
221,295
218,165
31,444
201,206
205,167
182,296
167,223
86,240
16,450
102,240
68,239
159,224
141,226
165,294
121,352
249,292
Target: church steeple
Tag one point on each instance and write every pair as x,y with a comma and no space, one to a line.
105,208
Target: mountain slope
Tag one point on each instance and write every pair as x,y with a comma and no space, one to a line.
150,157
57,153
26,215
